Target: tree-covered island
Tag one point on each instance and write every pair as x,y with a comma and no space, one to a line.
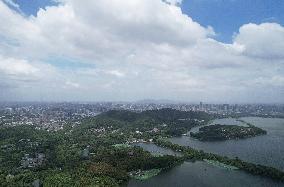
219,132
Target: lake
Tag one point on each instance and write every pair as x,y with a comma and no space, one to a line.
201,174
266,150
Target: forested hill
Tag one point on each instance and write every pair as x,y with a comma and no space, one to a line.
162,115
89,153
167,121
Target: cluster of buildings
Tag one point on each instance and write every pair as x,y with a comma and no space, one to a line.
47,116
54,116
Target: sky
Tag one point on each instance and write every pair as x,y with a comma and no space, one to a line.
215,51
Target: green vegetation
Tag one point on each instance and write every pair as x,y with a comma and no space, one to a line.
65,165
219,164
122,146
168,122
144,175
226,132
97,152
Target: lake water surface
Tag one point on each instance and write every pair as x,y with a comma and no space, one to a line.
201,174
266,150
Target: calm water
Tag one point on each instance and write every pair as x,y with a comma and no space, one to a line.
203,175
266,150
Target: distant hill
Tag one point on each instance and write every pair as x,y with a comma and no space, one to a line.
161,115
169,121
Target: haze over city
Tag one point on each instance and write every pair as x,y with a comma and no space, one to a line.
208,50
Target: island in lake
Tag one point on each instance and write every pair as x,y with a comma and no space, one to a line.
219,132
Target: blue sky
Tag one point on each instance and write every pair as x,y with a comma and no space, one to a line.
30,7
225,16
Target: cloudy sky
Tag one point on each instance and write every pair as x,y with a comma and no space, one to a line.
125,50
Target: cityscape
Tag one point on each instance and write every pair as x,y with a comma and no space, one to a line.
142,93
54,116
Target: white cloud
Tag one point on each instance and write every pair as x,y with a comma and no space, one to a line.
116,73
264,41
140,49
15,67
69,84
276,81
174,2
94,27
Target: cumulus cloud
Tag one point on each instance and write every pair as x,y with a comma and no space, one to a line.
264,41
94,26
139,49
